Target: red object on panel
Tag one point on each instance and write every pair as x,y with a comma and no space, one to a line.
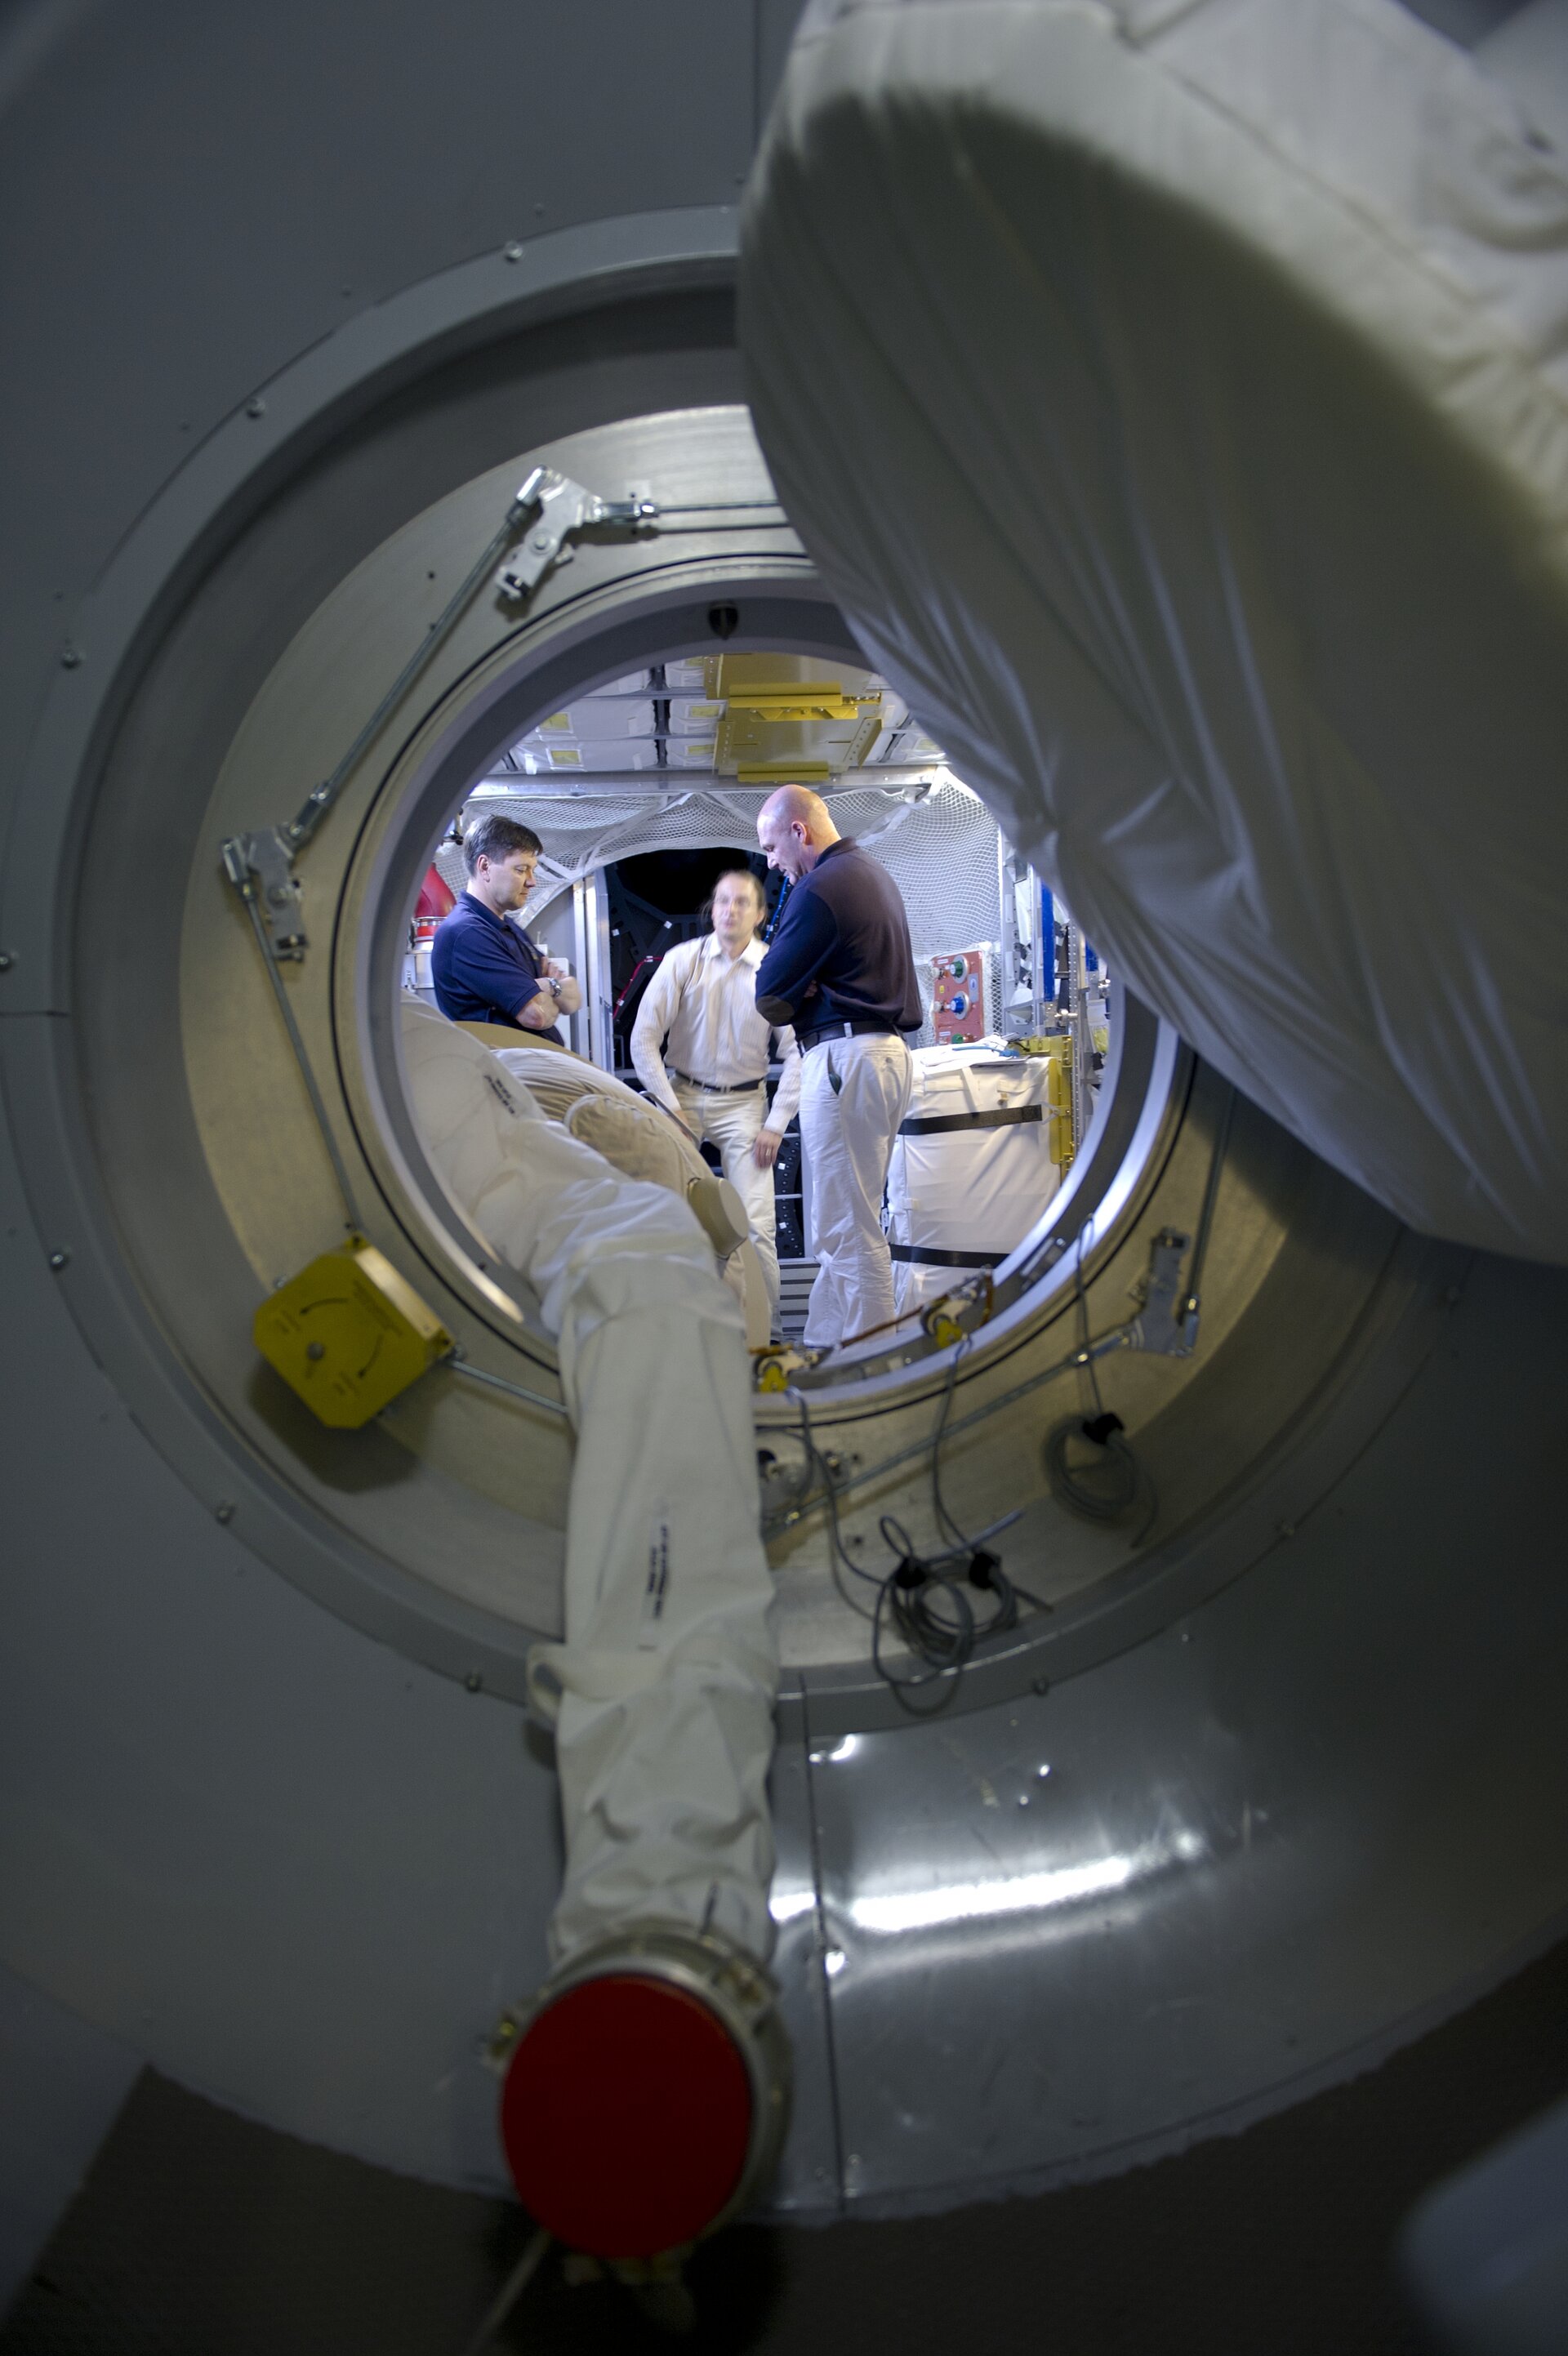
626,2117
436,897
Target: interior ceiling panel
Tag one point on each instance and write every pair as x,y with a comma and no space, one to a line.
758,719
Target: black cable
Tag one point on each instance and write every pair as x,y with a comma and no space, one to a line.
1088,1359
840,1553
1109,1485
924,1596
1116,1477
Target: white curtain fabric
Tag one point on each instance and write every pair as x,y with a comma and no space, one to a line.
661,1694
1175,398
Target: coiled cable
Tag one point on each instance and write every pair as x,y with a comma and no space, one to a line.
925,1602
1109,1485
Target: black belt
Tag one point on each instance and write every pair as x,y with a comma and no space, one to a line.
1001,1117
927,1255
807,1040
713,1087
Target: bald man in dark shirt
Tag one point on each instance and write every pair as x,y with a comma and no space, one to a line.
841,969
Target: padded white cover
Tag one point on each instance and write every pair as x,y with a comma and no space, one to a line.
1176,397
975,1188
661,1695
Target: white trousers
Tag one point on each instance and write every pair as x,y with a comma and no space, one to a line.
662,1694
732,1123
847,1137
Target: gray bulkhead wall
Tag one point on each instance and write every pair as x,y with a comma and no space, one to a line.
299,1870
192,198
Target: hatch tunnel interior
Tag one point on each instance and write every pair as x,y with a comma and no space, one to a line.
1326,1548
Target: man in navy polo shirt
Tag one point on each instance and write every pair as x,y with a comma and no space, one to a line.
841,970
483,968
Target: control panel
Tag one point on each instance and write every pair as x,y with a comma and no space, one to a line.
958,998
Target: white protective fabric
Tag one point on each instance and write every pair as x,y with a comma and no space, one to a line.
662,1692
970,1171
847,1137
1174,397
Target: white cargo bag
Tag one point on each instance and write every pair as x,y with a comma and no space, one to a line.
972,1171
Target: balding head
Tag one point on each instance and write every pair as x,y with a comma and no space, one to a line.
794,828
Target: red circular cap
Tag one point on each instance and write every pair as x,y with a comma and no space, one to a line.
626,2117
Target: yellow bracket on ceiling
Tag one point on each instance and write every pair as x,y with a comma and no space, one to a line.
784,773
800,703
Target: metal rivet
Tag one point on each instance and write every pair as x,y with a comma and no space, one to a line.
538,208
69,657
514,254
7,960
473,1681
255,406
225,1512
314,1350
58,1259
1041,1686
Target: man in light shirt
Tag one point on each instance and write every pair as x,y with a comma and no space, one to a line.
702,999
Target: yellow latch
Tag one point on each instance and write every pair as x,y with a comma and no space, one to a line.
349,1334
1059,1104
774,1369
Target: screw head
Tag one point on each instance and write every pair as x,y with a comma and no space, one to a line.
58,1259
69,657
473,1682
513,252
1040,1686
255,406
315,1351
7,960
225,1512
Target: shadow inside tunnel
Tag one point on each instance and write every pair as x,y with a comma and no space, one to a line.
199,2231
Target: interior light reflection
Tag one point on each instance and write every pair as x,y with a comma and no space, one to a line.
1024,1893
784,1905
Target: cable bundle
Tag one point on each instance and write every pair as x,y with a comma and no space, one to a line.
926,1598
1107,1486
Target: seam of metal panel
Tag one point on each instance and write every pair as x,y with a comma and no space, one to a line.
821,1943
